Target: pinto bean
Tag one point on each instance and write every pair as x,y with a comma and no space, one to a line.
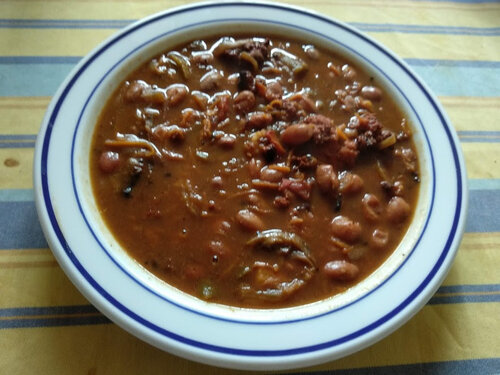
371,206
271,175
297,134
211,80
348,72
379,239
326,178
341,270
227,141
202,57
249,221
345,228
109,161
258,120
273,91
350,183
176,93
254,166
311,52
397,210
371,93
244,101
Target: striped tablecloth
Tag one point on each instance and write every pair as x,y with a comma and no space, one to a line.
48,327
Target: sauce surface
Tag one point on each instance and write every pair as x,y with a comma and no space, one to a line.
255,172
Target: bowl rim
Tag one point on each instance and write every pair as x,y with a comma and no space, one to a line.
92,290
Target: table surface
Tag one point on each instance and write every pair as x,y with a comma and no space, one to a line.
48,327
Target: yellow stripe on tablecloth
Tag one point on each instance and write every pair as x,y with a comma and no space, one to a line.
33,278
20,42
472,113
394,11
23,115
482,160
19,175
449,333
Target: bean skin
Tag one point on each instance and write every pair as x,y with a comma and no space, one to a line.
397,210
249,221
371,93
371,206
341,270
297,134
345,228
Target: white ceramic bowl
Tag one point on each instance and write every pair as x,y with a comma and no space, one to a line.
222,335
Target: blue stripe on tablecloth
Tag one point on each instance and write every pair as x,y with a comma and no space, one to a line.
21,229
485,366
368,27
50,316
41,75
17,140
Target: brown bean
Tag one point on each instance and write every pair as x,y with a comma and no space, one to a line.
371,206
348,72
271,175
227,141
297,134
350,183
109,161
311,52
345,228
244,101
371,93
258,120
341,270
254,166
176,93
326,178
273,90
202,57
211,80
397,210
249,221
379,239
134,90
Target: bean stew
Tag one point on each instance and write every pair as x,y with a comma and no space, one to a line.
255,171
